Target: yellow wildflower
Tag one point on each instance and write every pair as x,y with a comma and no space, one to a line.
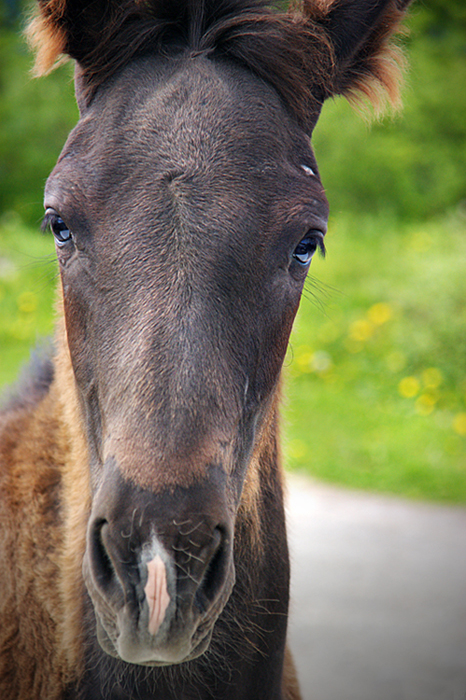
459,423
380,313
27,302
297,449
361,330
409,387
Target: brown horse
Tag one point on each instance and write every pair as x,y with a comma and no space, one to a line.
143,549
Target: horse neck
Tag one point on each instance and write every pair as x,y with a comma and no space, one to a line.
76,504
264,475
43,508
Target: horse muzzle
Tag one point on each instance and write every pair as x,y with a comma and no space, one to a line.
159,570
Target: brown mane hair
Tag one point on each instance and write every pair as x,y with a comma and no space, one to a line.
290,50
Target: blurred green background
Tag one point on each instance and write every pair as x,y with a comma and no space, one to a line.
375,372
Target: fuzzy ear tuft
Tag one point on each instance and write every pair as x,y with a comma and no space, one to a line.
377,73
70,28
47,38
367,62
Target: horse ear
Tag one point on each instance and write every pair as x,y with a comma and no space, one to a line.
359,32
68,27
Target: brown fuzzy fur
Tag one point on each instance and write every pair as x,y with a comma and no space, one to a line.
43,514
47,38
290,680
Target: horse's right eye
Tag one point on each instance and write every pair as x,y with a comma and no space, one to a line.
305,250
60,230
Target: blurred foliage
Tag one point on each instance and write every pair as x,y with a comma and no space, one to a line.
28,271
35,118
376,380
413,163
444,15
10,11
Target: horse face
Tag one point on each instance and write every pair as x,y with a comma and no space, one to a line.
186,207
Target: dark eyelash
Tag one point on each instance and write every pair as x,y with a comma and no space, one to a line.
321,246
47,221
319,240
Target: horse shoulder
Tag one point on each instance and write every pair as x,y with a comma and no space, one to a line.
33,451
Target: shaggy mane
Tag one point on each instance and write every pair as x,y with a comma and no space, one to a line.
33,382
290,50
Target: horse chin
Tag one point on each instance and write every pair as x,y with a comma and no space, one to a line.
127,647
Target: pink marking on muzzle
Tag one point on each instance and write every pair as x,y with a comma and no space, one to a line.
156,593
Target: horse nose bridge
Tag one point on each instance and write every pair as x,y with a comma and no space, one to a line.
174,400
182,373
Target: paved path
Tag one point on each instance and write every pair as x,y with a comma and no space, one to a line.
378,596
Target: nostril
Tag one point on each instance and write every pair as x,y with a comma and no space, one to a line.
101,563
214,573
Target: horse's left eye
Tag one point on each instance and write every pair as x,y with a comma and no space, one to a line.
305,250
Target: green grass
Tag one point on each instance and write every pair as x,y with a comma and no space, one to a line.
375,381
27,282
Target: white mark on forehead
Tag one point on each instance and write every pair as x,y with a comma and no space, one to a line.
308,170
